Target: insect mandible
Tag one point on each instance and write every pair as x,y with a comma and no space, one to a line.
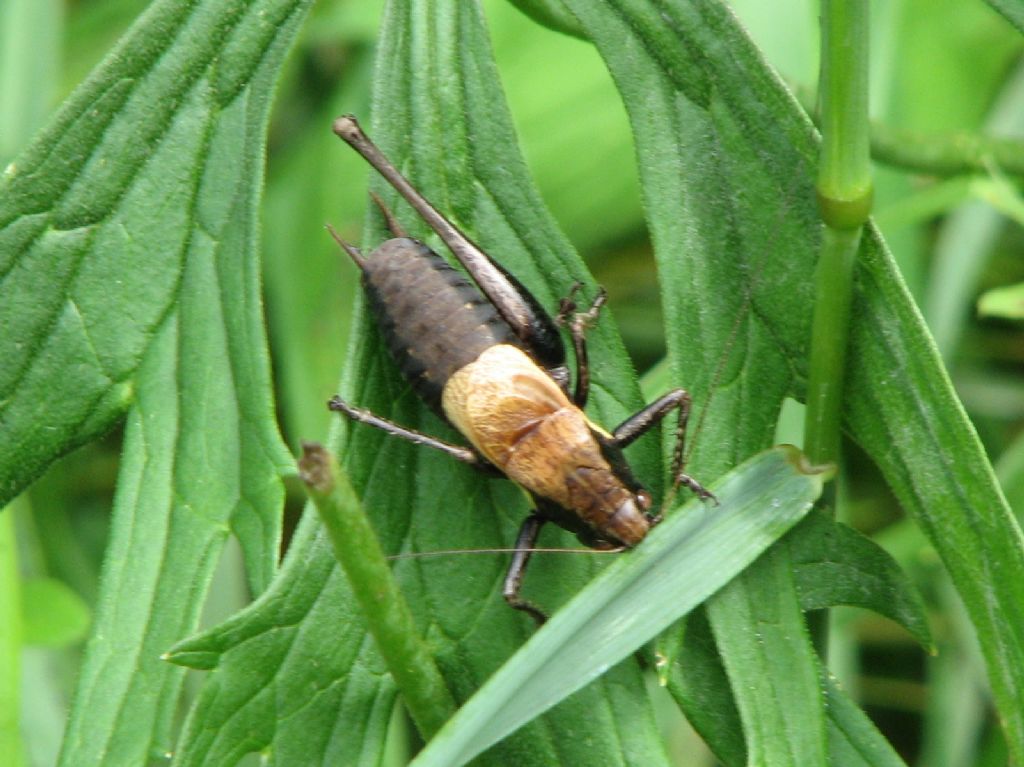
498,374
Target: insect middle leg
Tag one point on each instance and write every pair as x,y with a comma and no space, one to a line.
640,423
525,542
389,217
464,454
578,322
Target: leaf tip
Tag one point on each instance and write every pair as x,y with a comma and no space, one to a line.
198,660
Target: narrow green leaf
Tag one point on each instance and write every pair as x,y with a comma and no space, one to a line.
719,189
853,740
760,633
689,556
699,684
552,14
852,737
835,565
726,179
127,249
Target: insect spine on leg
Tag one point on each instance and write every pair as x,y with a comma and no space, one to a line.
498,374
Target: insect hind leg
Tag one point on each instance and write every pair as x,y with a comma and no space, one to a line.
641,422
525,542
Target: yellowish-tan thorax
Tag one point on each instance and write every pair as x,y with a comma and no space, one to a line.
518,418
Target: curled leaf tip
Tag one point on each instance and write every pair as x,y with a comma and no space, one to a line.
801,463
315,467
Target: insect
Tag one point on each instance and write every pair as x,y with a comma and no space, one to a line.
486,357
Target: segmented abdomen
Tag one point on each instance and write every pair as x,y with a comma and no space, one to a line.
435,321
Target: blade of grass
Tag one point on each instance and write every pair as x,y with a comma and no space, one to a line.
682,562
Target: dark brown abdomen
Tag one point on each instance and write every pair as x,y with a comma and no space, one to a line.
435,321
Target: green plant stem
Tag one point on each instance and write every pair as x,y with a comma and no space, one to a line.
844,201
946,154
10,642
844,175
833,283
387,615
844,195
936,154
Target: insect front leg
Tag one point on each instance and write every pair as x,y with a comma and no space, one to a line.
525,542
578,322
640,423
464,454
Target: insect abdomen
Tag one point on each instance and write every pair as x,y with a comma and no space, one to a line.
435,321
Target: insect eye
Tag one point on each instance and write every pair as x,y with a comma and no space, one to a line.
643,498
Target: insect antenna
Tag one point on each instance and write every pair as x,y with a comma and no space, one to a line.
503,550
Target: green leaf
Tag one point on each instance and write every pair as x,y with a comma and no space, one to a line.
1012,11
440,115
760,633
726,158
852,738
1006,302
835,565
30,33
52,614
719,194
552,14
690,556
698,682
1010,470
128,233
